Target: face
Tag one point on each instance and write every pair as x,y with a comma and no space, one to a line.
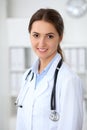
44,39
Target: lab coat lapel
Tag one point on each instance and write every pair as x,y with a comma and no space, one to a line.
44,84
27,84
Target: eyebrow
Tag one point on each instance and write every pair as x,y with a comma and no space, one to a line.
50,33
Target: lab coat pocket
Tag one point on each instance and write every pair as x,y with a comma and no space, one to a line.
53,125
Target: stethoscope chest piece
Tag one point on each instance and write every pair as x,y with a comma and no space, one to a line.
54,116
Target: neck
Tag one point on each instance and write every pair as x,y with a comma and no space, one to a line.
44,62
42,65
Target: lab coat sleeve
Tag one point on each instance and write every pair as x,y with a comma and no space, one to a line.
71,105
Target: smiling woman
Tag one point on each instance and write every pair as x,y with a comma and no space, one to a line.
45,40
51,97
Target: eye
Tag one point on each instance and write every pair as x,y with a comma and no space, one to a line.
50,36
36,35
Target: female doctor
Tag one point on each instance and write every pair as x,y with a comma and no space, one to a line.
51,95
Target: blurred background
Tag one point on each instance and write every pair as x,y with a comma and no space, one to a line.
16,54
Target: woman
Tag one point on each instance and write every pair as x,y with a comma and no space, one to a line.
46,29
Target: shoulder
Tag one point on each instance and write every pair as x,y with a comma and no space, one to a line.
70,79
67,72
69,84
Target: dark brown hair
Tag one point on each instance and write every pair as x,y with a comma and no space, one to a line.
52,16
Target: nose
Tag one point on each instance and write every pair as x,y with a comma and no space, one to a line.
42,41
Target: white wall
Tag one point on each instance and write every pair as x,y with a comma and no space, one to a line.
4,89
24,8
75,28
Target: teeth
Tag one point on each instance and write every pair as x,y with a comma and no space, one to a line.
42,49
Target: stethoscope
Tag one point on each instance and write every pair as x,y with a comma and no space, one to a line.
54,115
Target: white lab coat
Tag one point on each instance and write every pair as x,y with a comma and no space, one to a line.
34,115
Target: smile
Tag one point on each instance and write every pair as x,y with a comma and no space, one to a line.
42,49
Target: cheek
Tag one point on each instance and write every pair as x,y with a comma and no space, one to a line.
54,43
33,43
33,46
54,46
32,40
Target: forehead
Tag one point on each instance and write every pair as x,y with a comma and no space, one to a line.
43,27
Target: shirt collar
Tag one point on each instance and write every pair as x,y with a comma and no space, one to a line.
36,64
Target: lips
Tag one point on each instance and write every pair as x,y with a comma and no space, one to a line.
42,49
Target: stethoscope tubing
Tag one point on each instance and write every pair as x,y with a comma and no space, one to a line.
53,95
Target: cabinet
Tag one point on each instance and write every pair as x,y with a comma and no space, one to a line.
21,58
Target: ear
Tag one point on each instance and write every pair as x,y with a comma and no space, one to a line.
60,39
